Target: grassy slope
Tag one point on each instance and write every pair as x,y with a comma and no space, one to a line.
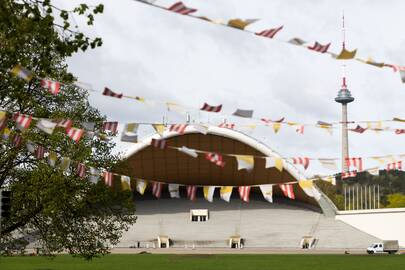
206,262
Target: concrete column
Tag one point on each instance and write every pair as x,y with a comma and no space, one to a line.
345,138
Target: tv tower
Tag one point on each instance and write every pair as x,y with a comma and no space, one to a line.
344,97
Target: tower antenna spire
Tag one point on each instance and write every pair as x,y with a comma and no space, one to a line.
344,85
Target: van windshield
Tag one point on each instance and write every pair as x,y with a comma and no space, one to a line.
375,246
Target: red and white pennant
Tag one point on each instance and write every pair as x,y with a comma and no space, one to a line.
288,190
157,189
191,192
52,86
215,158
304,161
244,192
180,8
179,128
355,162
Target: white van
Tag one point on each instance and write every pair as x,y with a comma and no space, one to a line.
389,246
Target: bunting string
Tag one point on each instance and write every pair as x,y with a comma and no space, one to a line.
299,127
95,174
241,24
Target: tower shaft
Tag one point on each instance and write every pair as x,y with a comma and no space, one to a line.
345,138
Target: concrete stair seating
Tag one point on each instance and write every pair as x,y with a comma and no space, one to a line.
282,224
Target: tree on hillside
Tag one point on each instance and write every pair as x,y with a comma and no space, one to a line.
61,209
392,185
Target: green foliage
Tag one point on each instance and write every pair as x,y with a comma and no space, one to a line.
396,200
62,210
391,183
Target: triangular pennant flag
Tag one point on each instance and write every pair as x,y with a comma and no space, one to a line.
22,73
244,192
161,144
64,163
40,152
89,126
125,182
23,121
180,8
3,120
304,161
267,191
243,113
171,106
278,163
46,126
215,158
174,191
300,129
94,175
297,41
52,158
288,190
241,24
276,127
108,178
30,147
398,119
274,162
328,163
356,162
309,189
81,170
209,193
326,126
52,86
75,133
318,47
6,134
108,92
269,162
179,128
331,179
17,139
191,192
110,126
160,128
370,61
380,160
130,133
209,108
345,54
269,33
226,193
374,171
358,129
141,186
245,162
188,151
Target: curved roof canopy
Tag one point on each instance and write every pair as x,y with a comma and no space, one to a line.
172,166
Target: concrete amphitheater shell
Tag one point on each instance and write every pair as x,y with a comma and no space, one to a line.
282,224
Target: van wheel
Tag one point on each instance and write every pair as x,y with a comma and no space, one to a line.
370,252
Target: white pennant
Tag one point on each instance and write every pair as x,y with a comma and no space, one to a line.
188,151
174,191
267,191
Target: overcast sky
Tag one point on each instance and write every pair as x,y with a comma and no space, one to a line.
164,56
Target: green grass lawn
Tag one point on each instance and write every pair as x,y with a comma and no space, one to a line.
206,262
